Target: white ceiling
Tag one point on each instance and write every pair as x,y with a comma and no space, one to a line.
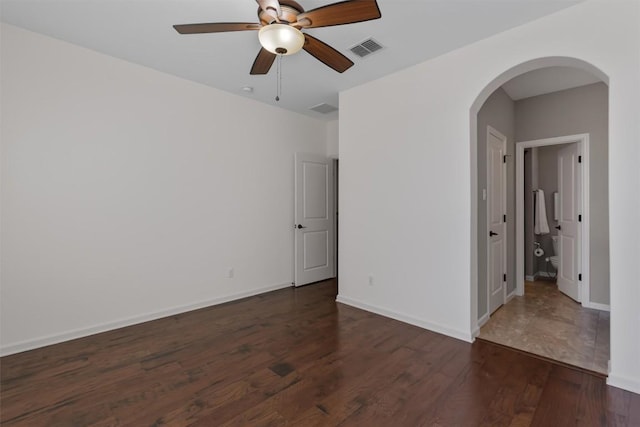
547,80
140,31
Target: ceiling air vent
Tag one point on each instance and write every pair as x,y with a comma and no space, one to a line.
324,108
366,48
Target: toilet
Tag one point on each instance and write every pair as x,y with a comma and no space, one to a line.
555,258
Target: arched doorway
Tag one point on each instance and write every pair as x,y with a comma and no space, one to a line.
483,285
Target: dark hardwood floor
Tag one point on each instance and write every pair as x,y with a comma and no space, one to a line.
296,357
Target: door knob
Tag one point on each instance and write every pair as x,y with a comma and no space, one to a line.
299,226
558,227
491,234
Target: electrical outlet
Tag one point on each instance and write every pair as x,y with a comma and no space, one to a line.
370,280
230,273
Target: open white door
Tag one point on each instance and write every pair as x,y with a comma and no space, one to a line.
569,189
314,219
496,209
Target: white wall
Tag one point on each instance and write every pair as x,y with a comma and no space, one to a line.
332,139
407,169
127,194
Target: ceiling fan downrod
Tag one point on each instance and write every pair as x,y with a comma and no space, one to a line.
279,78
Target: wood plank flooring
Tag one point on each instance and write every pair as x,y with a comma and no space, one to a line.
296,357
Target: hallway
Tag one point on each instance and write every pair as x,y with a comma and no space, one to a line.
547,323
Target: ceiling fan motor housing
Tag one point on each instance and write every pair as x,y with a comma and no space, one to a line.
289,13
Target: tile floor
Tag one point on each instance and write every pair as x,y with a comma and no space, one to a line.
548,323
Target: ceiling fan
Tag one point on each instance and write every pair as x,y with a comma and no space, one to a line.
280,28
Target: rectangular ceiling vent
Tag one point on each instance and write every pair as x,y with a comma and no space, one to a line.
324,108
366,48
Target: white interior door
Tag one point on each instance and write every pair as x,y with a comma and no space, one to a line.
496,211
569,189
314,219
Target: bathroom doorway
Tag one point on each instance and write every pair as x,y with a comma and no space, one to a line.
547,319
552,231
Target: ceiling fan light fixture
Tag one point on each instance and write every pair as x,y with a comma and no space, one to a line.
281,39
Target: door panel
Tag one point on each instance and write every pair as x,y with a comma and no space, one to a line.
496,208
567,257
569,186
315,176
316,248
314,219
496,268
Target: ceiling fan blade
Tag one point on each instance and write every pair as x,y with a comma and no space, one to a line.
346,12
263,62
326,54
270,6
218,27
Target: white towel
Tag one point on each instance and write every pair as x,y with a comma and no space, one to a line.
540,226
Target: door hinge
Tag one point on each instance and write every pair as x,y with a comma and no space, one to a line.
580,277
504,277
579,159
504,158
504,218
580,218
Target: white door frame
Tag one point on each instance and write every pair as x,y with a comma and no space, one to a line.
499,135
314,225
583,143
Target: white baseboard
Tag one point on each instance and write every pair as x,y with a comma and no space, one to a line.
597,306
129,321
444,330
624,383
511,296
530,278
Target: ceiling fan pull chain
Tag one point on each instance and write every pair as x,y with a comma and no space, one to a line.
279,78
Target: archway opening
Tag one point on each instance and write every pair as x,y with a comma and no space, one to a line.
525,103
